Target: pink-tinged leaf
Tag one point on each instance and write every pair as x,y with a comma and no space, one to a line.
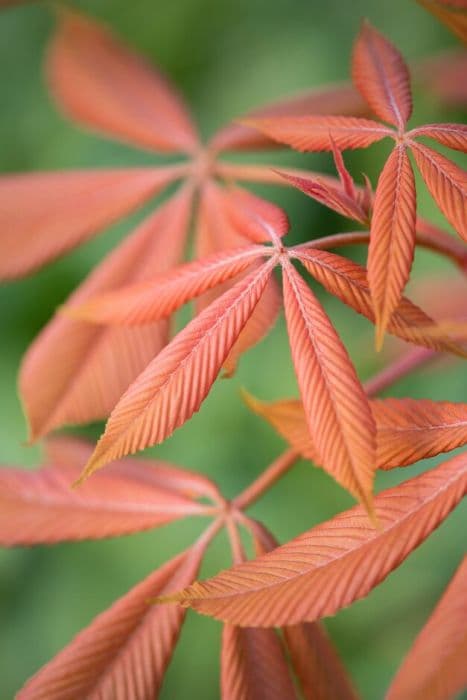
329,195
44,215
335,563
255,218
146,302
347,281
41,507
126,649
337,410
452,13
345,177
407,430
382,77
319,669
392,240
437,239
450,135
175,383
100,83
447,184
75,372
74,453
444,77
311,133
259,325
253,666
340,99
216,231
435,668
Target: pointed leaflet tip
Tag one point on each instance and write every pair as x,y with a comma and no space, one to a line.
380,331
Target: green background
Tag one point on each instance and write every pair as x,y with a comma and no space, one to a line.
226,57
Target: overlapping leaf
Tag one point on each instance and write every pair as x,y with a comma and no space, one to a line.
336,408
335,563
40,507
76,372
407,430
127,647
452,13
435,668
174,385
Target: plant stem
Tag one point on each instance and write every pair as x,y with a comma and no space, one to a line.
415,357
270,475
236,546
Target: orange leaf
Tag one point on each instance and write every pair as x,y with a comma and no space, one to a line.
75,372
45,215
407,430
253,666
129,646
103,85
258,326
256,218
382,77
317,664
333,197
347,281
435,668
335,563
40,507
311,133
73,453
175,383
447,184
392,240
146,302
450,135
337,410
451,13
333,99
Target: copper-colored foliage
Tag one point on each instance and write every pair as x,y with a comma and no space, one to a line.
452,13
40,507
127,647
407,430
336,408
335,563
434,668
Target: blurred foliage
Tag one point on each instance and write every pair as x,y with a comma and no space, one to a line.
226,57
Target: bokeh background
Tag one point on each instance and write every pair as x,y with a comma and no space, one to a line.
226,57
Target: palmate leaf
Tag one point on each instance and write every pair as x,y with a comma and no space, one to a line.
435,668
75,372
103,85
407,430
382,77
447,184
175,383
335,563
253,666
311,133
44,215
150,301
347,281
392,240
41,508
336,407
126,649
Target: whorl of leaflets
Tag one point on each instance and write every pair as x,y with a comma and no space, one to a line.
104,86
381,75
335,563
176,382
